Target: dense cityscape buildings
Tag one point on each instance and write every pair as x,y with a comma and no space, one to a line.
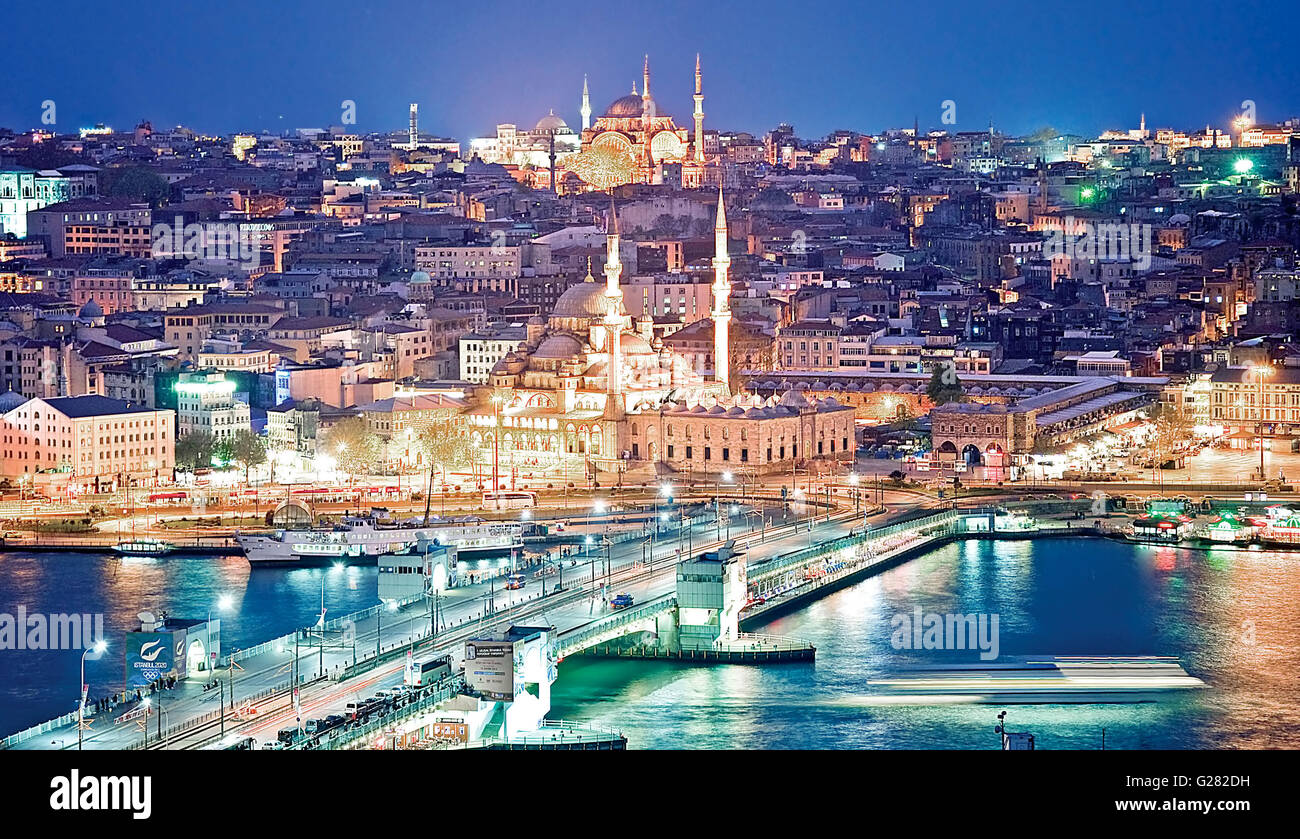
615,422
1140,268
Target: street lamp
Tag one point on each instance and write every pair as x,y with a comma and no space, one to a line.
224,602
496,449
98,649
390,605
1261,372
438,584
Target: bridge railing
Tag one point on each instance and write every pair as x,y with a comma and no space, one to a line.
37,730
579,637
352,738
559,731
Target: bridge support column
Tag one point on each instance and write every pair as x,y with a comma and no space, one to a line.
666,629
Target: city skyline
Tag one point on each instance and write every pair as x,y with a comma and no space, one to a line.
833,76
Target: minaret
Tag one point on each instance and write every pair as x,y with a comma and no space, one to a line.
586,104
415,125
647,114
613,315
721,298
699,112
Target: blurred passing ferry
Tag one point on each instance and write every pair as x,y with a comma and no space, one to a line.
1049,680
361,540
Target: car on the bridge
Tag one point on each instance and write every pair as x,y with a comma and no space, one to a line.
622,601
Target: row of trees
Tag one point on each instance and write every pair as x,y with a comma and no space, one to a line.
356,448
200,449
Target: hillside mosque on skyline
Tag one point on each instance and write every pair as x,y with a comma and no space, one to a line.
631,142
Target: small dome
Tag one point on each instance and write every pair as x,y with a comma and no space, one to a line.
631,343
90,311
551,124
625,106
558,346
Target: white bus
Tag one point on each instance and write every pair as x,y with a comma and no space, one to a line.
509,500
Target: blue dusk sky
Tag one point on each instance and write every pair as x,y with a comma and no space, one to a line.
241,65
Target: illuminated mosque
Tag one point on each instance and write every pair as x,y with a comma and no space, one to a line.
593,390
631,141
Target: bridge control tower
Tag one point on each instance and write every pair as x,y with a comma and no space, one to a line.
711,591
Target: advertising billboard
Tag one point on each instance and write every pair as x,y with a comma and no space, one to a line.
154,655
490,668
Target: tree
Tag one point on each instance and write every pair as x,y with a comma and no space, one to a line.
353,445
194,450
249,449
1173,427
224,451
140,183
445,445
944,386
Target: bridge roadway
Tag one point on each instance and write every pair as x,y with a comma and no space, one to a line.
191,717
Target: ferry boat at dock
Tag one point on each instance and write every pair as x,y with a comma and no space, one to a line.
364,540
144,547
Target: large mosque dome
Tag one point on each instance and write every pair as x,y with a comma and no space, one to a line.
584,300
625,106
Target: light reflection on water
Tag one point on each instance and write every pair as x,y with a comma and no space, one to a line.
38,685
1230,615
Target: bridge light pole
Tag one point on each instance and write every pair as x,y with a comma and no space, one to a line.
1261,372
98,649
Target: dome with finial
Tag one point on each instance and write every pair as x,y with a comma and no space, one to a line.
551,124
630,105
583,300
90,311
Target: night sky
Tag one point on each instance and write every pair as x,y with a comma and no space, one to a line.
245,65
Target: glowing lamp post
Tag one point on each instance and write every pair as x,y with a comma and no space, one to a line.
98,649
1261,372
437,585
496,449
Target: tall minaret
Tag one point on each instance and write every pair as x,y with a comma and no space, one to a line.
721,298
415,124
613,315
586,104
647,114
699,112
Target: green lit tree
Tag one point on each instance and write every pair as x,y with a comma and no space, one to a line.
223,451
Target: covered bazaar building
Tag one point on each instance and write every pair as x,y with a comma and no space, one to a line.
593,391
